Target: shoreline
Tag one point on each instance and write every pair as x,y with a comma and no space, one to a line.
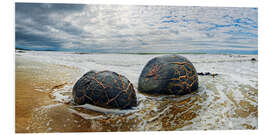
37,73
139,53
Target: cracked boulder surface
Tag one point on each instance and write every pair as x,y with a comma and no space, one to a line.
105,89
168,74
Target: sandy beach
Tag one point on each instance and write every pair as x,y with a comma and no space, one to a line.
33,83
44,82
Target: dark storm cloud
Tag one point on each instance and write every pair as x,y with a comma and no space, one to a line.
33,19
36,41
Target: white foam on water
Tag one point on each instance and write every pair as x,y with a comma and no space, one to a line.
62,95
86,116
42,89
105,110
49,106
159,114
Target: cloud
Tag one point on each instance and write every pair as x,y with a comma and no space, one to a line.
118,28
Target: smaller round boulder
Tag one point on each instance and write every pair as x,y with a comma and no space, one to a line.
105,89
169,74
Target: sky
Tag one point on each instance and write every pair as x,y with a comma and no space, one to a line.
136,29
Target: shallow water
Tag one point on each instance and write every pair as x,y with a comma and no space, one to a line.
227,101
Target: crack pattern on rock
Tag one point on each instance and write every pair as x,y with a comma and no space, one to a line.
99,92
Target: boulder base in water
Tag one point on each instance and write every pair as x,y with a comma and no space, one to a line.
106,89
169,74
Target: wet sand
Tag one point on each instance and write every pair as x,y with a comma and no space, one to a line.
31,102
43,91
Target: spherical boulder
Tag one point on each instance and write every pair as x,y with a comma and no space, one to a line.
168,74
105,89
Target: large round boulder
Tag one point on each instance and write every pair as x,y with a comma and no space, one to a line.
169,74
105,89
